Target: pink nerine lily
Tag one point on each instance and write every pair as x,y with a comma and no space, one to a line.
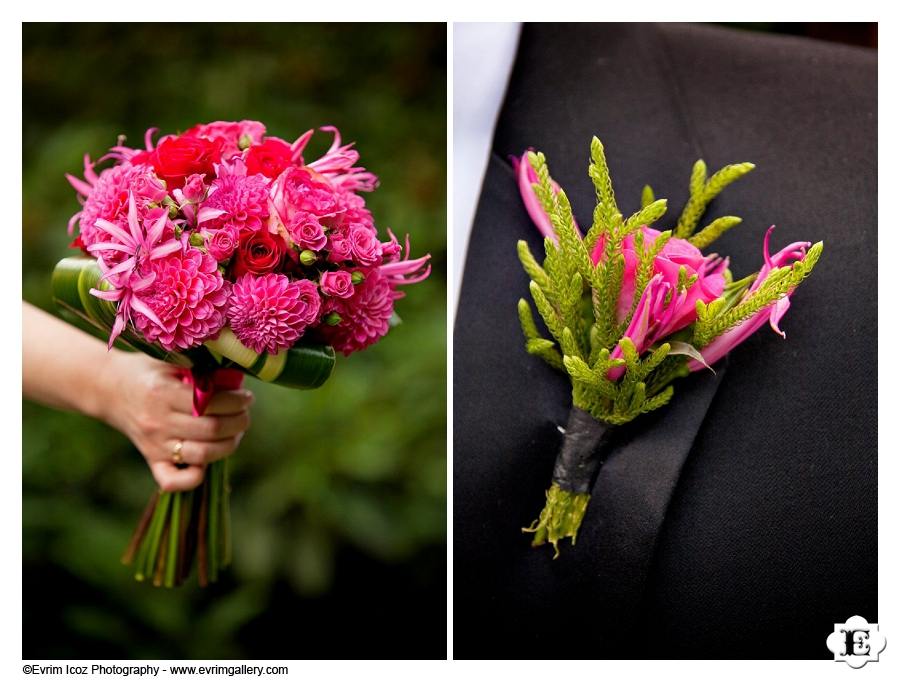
773,313
399,269
141,244
526,177
337,164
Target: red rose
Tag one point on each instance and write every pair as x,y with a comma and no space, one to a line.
258,252
269,158
175,158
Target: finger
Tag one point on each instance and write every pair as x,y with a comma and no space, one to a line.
198,453
207,427
172,479
180,396
230,402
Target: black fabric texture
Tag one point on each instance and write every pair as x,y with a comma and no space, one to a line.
740,520
581,452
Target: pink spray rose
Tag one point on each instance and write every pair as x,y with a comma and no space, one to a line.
338,284
338,247
194,189
221,243
364,244
307,231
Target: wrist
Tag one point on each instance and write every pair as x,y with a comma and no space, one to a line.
105,379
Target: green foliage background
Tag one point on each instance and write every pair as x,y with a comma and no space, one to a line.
339,508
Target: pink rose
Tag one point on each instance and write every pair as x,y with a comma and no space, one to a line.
364,245
338,284
306,231
338,247
221,243
194,188
303,189
309,302
232,135
269,158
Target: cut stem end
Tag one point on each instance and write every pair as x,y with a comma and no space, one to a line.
560,518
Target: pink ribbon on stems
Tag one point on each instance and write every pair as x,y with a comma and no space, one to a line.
205,384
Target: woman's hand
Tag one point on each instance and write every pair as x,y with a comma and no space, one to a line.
146,400
143,398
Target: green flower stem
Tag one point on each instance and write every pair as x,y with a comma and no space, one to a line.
174,535
214,502
226,515
154,536
202,536
184,559
160,570
141,531
560,518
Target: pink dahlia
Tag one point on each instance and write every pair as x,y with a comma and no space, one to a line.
187,297
235,198
269,313
364,317
106,197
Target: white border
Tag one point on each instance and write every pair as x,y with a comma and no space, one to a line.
469,10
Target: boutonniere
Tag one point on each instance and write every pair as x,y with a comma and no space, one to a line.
630,309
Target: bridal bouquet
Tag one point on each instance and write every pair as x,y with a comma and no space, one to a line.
631,309
224,252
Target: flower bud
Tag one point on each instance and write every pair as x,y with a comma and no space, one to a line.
170,203
308,257
196,239
332,319
357,277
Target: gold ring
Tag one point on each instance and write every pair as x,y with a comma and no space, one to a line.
176,452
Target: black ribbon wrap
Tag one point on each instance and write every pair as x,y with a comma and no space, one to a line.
581,454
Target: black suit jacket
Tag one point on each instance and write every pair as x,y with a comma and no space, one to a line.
739,521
